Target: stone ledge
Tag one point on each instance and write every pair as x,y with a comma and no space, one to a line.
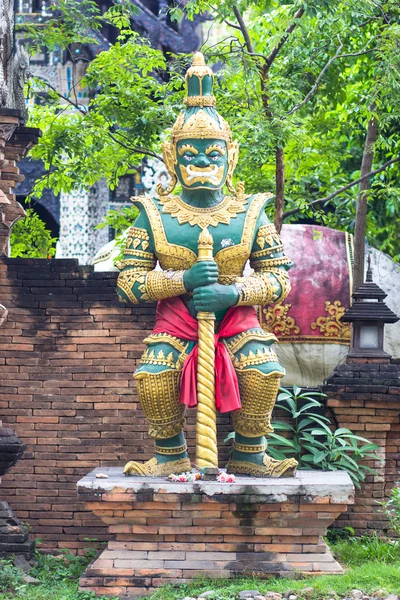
336,486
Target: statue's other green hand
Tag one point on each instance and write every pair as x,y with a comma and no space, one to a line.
202,273
215,297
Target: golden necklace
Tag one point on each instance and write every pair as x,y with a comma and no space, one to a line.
204,217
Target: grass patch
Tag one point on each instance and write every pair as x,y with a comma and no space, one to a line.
58,576
372,563
356,551
368,577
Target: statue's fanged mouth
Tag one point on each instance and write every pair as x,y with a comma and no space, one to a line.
211,173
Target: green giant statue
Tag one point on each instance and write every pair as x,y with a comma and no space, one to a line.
242,373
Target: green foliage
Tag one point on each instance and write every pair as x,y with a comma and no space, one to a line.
313,443
392,510
338,66
63,567
359,550
31,239
58,576
119,220
74,22
124,121
10,577
336,534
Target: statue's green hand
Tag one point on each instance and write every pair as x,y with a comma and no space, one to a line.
215,297
202,273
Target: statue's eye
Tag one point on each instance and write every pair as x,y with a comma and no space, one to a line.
214,156
188,156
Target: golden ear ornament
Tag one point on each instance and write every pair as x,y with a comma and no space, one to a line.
233,155
168,151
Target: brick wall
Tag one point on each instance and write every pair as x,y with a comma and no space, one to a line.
67,353
364,396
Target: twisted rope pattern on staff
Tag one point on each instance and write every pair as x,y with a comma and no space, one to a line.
206,426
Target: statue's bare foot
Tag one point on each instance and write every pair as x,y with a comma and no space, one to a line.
269,468
152,468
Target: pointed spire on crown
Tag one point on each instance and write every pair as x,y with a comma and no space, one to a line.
199,83
200,119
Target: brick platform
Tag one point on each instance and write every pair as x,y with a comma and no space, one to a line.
169,532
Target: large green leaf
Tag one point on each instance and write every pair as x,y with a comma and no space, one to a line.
282,441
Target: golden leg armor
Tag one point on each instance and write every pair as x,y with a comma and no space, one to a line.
159,399
258,392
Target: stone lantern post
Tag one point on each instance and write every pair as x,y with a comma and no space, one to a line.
363,394
368,315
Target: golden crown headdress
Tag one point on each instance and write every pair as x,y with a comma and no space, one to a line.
200,119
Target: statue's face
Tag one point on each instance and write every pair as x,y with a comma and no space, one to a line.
201,164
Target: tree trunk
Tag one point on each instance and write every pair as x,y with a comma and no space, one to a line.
280,188
362,205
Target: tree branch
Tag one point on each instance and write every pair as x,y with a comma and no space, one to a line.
138,149
379,7
274,52
71,102
317,81
243,50
360,228
325,200
231,24
215,9
243,29
322,73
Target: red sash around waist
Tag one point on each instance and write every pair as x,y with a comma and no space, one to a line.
173,317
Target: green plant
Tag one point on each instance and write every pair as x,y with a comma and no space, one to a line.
336,534
11,578
62,567
392,510
358,550
31,239
119,221
313,443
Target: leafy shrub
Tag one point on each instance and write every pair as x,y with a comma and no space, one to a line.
62,567
392,510
336,534
11,578
30,238
312,442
